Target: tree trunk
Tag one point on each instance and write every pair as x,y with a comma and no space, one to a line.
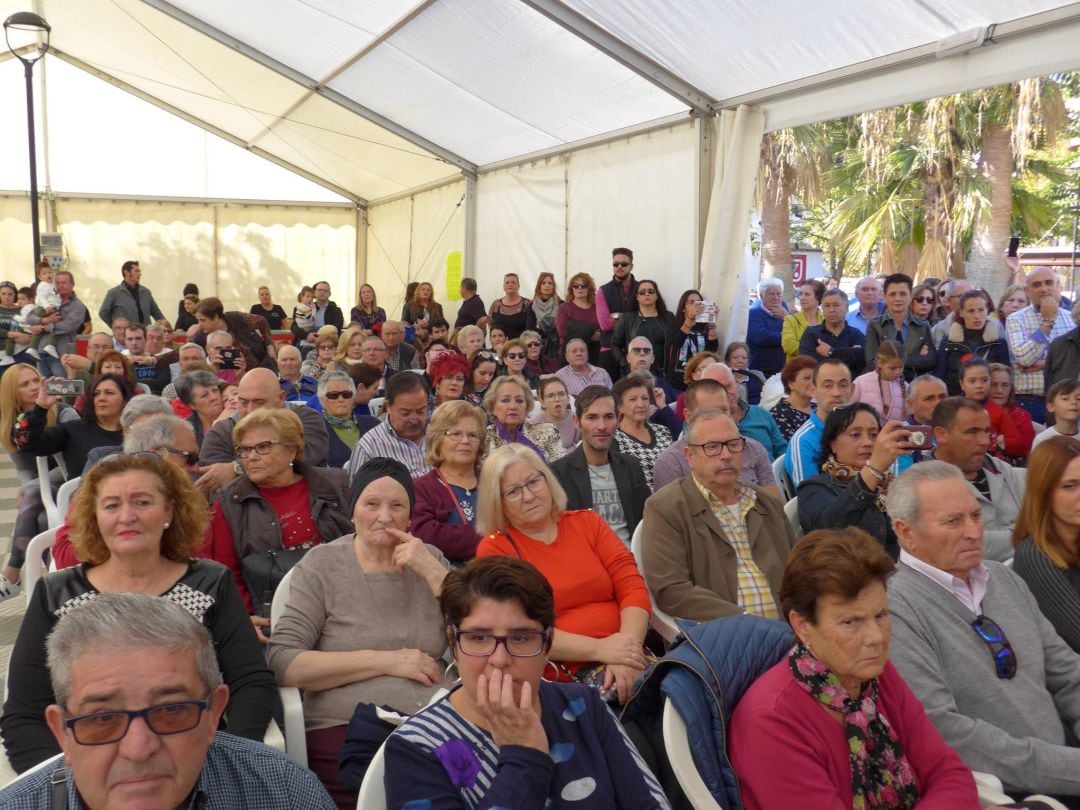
985,267
776,230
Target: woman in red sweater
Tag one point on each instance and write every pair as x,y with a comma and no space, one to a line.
833,725
601,602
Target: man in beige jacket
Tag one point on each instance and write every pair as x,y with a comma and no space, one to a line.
714,546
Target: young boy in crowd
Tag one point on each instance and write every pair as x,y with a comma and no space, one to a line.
1063,401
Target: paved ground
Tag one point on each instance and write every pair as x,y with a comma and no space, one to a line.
11,610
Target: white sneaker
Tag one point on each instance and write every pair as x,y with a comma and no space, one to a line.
33,353
8,588
6,359
51,351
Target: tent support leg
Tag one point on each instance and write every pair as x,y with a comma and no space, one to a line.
703,165
469,270
361,260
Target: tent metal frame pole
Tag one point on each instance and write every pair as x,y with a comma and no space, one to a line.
469,266
311,84
213,130
630,58
361,249
703,174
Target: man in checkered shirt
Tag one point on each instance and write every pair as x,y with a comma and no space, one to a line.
1029,332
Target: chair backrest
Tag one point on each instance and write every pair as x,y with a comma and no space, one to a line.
661,622
791,512
34,566
45,487
376,406
65,494
48,764
372,794
281,597
677,745
783,480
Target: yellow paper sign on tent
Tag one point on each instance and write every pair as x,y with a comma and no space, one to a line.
453,275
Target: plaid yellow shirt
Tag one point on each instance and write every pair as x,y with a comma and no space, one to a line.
755,595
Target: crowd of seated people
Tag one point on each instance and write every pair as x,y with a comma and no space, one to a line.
497,508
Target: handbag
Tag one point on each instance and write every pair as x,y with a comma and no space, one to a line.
263,572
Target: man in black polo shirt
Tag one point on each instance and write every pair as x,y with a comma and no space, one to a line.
472,311
835,337
619,295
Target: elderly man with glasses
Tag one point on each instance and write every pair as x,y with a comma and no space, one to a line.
139,696
712,545
967,635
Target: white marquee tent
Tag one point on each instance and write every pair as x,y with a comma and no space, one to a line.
479,136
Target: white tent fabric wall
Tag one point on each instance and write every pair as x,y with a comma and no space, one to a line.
227,249
409,240
724,269
564,215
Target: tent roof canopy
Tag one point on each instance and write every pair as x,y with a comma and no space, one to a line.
372,98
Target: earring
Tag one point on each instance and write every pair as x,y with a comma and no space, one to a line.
554,672
167,524
452,681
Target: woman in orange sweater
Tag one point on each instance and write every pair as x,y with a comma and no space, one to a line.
601,601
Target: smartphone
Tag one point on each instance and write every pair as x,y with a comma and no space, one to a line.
1014,245
921,437
64,388
228,357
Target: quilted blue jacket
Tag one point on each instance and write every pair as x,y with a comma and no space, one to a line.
705,673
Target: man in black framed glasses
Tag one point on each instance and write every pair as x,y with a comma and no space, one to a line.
139,697
995,678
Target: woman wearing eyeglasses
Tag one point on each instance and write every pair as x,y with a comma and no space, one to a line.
536,362
326,343
337,396
280,504
361,629
577,317
508,402
922,303
858,454
515,359
555,410
506,737
137,521
603,604
445,510
833,724
648,318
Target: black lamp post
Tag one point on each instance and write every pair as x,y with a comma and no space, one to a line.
35,31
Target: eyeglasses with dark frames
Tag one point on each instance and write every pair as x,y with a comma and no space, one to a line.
532,344
514,356
191,458
535,484
734,446
262,448
519,644
922,299
338,395
640,350
103,728
645,291
1004,655
579,286
620,264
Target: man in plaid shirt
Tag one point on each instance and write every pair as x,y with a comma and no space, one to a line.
1029,332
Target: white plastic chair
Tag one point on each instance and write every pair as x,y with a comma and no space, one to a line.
48,764
292,706
783,480
376,405
372,794
45,488
34,567
677,745
64,495
791,512
661,622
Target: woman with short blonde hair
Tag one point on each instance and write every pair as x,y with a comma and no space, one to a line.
508,402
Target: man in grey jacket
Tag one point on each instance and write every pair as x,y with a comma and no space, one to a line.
130,300
962,437
64,324
995,678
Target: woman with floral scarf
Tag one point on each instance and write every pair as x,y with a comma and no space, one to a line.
857,464
833,725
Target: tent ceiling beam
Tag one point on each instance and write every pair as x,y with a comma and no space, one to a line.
401,195
585,143
233,139
607,43
311,84
924,54
348,63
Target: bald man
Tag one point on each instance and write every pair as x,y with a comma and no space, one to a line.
259,388
296,386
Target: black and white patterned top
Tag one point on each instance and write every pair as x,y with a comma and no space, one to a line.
646,454
788,418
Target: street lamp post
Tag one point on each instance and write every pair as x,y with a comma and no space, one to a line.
33,28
